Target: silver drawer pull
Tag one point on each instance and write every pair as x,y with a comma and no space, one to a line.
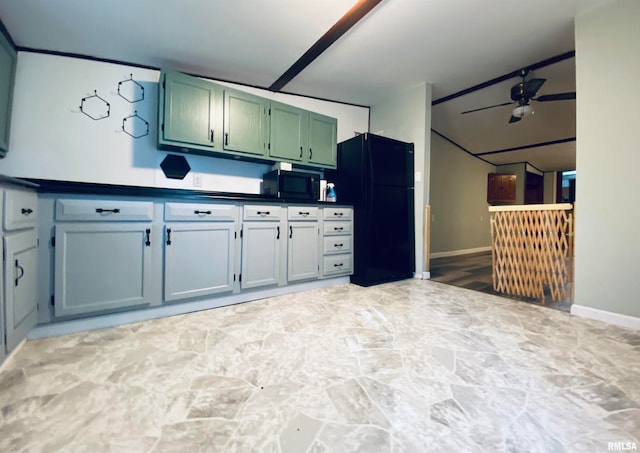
100,210
26,211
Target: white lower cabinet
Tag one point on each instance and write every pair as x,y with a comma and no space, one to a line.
200,254
302,243
19,276
302,251
261,236
112,255
21,284
101,267
337,241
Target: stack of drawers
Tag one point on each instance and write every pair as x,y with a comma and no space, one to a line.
337,241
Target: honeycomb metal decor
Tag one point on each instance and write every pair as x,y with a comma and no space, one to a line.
95,107
130,90
135,125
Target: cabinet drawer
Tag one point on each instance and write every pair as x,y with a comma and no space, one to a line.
103,210
343,227
337,213
200,212
20,209
338,264
302,213
260,212
336,244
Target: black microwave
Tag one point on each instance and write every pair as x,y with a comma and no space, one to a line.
291,185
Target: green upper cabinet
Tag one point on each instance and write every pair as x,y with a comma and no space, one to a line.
289,133
189,112
195,115
246,123
323,132
301,136
8,59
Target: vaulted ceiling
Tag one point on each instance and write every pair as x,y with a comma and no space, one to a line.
452,44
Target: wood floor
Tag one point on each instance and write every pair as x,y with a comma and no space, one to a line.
473,271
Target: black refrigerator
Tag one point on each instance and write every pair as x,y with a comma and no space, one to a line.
375,174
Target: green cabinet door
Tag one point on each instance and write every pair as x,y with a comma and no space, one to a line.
8,58
188,108
289,133
246,123
323,132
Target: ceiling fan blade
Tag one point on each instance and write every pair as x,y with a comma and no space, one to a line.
514,119
532,86
485,108
556,97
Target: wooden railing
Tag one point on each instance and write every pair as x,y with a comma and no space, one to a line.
532,250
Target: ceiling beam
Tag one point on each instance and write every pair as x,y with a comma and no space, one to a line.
350,18
511,75
533,145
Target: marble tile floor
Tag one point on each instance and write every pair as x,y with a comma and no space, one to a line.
410,366
474,271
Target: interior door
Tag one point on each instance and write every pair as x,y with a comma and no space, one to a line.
534,189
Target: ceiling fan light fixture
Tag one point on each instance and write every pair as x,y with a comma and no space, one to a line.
522,111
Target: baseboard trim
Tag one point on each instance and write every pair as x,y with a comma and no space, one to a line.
11,355
146,314
609,317
461,252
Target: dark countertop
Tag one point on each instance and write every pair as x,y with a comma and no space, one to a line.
17,182
89,188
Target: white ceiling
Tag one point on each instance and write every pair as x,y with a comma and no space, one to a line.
452,44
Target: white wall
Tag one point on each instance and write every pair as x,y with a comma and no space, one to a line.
550,186
52,139
406,115
459,208
607,248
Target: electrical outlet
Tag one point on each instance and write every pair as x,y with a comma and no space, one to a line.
197,180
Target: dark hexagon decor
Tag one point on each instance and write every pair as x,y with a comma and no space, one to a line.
175,167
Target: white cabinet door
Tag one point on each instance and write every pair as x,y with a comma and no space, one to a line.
21,285
260,254
101,267
302,252
199,259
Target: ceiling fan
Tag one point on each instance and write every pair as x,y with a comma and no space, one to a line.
522,93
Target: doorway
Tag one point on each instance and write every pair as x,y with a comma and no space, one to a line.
534,188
